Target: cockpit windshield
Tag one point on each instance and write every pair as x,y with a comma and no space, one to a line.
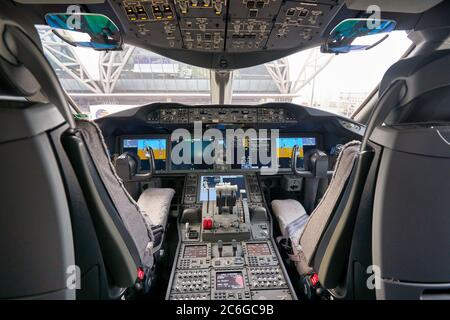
101,83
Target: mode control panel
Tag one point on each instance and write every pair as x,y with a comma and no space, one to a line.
221,115
275,115
174,115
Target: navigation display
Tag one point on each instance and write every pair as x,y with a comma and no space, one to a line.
137,147
209,182
198,251
249,159
284,149
229,280
258,249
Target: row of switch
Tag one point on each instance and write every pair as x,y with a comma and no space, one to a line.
190,296
224,295
266,278
192,281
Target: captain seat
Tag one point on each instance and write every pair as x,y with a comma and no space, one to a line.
79,214
153,203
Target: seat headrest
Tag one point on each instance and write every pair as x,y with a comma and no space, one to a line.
24,70
410,68
15,78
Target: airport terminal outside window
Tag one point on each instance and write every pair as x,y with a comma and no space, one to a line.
101,84
335,83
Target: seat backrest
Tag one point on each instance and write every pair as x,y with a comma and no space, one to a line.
37,250
128,210
321,216
410,239
404,154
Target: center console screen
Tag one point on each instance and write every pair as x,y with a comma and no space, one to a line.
196,251
208,183
229,280
138,146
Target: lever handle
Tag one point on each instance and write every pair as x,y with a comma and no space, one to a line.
220,247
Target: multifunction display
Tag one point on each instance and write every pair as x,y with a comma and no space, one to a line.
229,280
138,148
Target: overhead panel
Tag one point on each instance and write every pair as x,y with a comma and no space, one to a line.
216,26
251,9
152,21
298,22
202,24
250,23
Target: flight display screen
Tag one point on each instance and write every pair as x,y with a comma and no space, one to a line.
251,160
284,149
229,280
248,159
138,146
198,251
209,183
258,249
197,150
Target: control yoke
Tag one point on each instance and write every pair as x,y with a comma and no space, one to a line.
126,166
294,158
316,162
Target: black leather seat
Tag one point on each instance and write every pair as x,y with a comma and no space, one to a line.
393,209
37,246
63,217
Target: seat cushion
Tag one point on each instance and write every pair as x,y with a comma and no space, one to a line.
291,218
155,205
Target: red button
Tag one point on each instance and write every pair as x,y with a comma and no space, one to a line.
314,279
207,223
141,274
